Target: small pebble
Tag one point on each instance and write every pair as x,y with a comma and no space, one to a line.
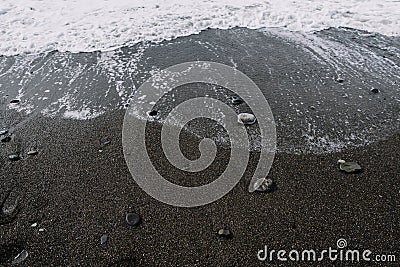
246,118
14,101
263,185
33,224
339,80
6,139
132,219
32,152
20,257
3,132
14,157
10,204
225,233
103,239
312,107
153,113
105,141
350,167
374,90
367,34
236,100
41,230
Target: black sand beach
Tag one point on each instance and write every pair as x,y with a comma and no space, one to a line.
75,193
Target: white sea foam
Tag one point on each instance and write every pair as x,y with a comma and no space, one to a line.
33,26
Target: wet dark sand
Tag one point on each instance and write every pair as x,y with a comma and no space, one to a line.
294,71
77,194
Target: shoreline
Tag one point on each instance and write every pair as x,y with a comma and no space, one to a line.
77,189
319,86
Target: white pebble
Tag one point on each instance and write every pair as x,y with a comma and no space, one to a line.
246,118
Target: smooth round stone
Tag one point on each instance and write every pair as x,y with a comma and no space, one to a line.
32,152
226,233
237,100
350,167
3,132
20,257
14,157
263,184
103,239
132,219
14,101
6,139
246,118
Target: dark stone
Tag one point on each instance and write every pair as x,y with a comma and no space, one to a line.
20,257
14,101
153,113
6,139
225,233
105,141
103,239
374,90
132,219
